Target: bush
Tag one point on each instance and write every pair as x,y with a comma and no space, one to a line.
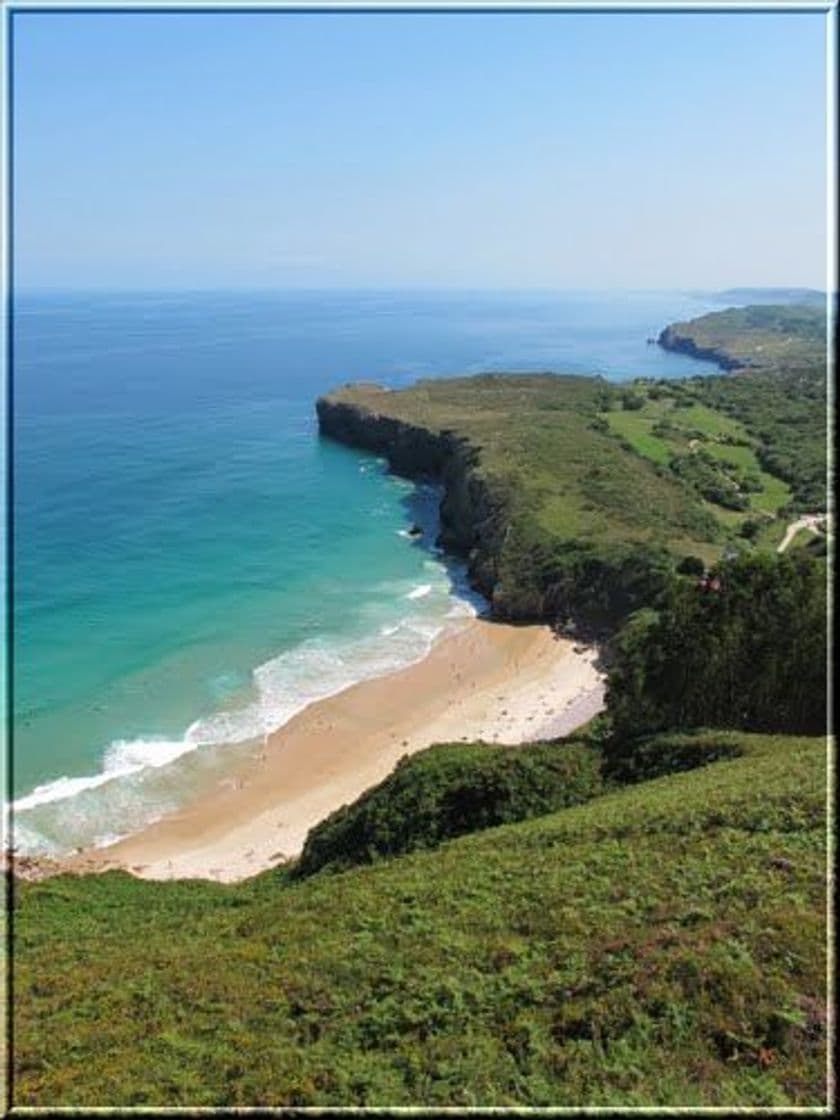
639,760
750,529
448,790
632,401
691,566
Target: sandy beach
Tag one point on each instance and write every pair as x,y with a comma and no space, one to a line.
505,684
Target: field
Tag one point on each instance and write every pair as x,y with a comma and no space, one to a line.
539,437
661,944
671,423
780,392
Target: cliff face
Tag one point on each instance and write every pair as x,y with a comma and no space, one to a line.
472,518
672,339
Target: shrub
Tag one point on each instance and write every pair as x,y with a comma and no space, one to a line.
632,401
450,789
654,756
691,566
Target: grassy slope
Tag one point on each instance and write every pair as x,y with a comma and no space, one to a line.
780,394
581,467
537,442
661,944
700,427
771,336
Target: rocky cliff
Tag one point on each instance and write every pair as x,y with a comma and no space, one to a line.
473,517
672,338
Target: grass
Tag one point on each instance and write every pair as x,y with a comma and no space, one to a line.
709,422
536,437
663,944
635,427
801,539
761,336
771,535
779,393
694,427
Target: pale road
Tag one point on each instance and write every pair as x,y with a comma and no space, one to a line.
809,521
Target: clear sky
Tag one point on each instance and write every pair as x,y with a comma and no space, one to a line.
455,150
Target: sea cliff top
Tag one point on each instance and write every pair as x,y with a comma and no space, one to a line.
568,476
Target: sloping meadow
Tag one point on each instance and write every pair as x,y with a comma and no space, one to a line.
662,944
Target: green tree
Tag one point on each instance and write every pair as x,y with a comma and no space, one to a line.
744,647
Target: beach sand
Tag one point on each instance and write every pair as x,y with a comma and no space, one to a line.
499,683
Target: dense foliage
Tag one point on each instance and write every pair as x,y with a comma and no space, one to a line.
780,391
569,581
652,756
786,411
743,647
663,944
450,789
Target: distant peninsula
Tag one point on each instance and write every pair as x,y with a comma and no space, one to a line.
771,337
773,295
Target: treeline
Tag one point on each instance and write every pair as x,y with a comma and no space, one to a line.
593,585
744,646
786,412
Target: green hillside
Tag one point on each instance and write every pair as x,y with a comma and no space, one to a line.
662,944
579,496
541,444
762,336
779,392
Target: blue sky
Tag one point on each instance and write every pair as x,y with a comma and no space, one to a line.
510,150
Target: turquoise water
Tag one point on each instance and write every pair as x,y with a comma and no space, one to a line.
192,563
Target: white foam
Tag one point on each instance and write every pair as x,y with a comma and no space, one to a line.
122,758
128,755
59,790
135,787
419,592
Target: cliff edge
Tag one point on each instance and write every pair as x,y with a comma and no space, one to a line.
472,518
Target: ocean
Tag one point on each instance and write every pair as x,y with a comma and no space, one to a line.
192,563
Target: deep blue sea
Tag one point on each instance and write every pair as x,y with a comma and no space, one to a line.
192,564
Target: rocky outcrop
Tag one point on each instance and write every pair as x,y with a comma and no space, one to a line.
672,339
473,517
